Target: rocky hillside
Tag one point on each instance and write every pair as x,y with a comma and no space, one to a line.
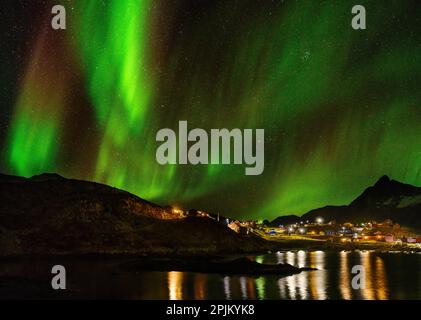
49,214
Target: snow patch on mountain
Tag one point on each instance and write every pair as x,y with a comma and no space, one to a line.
409,201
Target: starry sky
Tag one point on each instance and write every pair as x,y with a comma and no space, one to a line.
340,107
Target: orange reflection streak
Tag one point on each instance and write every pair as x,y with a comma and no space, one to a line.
175,285
199,286
368,292
381,283
251,288
318,278
344,278
312,278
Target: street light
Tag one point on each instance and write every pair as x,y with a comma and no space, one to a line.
178,211
319,220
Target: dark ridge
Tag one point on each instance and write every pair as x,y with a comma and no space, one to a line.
47,177
385,192
382,181
51,215
284,220
4,178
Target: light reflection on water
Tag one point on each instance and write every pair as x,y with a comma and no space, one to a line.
344,276
381,280
175,285
200,286
332,280
368,292
388,276
227,288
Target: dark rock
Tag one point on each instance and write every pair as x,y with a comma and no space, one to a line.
240,266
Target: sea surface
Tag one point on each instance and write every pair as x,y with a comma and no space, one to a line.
387,276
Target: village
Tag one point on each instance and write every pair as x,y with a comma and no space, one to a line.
367,232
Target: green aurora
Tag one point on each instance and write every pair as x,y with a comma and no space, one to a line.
340,107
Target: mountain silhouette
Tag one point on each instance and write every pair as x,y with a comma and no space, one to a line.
386,199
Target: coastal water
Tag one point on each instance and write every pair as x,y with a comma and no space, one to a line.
388,276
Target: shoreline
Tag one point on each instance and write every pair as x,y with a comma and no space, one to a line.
311,245
282,247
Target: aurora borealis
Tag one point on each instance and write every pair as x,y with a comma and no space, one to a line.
340,107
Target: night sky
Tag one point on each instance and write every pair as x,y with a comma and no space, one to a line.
340,107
